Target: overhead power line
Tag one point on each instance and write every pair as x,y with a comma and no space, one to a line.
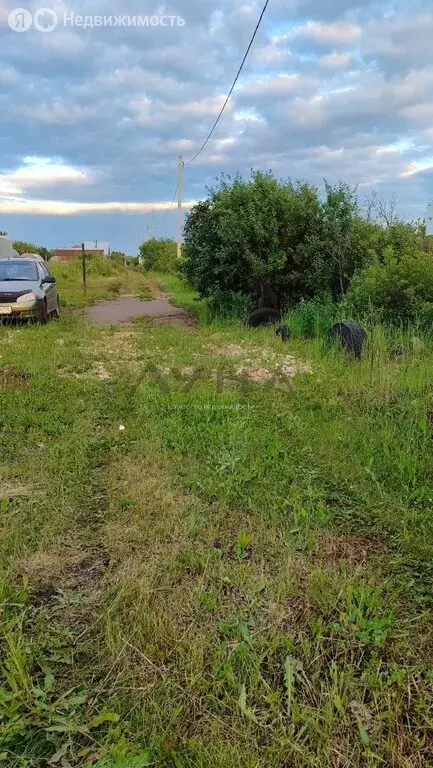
233,86
174,196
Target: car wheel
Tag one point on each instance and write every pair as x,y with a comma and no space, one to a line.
43,317
56,312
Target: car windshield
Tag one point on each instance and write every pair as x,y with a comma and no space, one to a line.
18,270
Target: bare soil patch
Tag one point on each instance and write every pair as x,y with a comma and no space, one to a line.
128,308
261,365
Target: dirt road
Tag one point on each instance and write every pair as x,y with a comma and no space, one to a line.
127,308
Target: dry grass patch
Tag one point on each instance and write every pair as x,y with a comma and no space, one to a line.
57,570
145,507
155,288
118,352
351,548
12,377
13,491
113,354
98,372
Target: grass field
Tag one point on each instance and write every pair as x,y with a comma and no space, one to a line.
204,571
105,280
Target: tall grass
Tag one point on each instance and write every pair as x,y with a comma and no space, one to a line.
181,294
105,279
233,577
312,318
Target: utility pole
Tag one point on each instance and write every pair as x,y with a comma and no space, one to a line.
429,220
180,167
83,264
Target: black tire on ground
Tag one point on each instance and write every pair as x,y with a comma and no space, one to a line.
265,316
350,336
43,317
284,332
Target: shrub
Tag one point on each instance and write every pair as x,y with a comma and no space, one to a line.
274,241
159,255
313,318
122,260
396,291
230,305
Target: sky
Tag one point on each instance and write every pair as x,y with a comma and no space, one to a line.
93,117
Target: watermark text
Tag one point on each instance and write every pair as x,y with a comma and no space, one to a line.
47,20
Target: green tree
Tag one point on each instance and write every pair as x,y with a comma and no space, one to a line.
273,241
159,254
23,247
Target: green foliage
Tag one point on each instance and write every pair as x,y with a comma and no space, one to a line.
229,305
274,242
264,242
242,544
122,259
181,294
399,290
159,254
23,247
312,318
105,279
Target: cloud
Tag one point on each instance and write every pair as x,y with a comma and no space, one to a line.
425,164
62,208
8,75
339,89
337,60
326,33
419,112
152,112
280,85
55,114
400,41
40,172
274,52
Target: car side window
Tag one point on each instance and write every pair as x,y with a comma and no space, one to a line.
43,270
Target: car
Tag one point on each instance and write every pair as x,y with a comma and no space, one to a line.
36,256
27,289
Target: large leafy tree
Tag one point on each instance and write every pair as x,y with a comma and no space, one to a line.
273,241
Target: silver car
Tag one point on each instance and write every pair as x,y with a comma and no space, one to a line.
27,289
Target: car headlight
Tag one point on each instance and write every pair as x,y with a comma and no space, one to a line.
26,297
